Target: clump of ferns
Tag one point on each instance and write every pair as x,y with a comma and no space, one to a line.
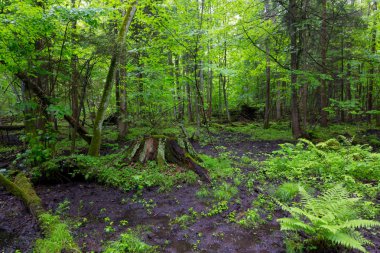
330,219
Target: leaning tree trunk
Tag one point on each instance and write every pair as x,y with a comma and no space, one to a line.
98,124
164,149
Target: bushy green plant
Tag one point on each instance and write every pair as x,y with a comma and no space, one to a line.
287,191
218,167
331,218
186,219
129,242
40,148
224,191
251,219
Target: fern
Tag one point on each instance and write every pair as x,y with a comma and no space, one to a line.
331,217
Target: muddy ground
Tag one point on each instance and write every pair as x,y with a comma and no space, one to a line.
90,208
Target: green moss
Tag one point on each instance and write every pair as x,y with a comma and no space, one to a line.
57,236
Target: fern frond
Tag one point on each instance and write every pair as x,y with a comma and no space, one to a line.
345,240
361,224
292,224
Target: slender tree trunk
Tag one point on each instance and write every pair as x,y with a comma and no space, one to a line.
94,148
225,84
372,66
178,89
75,78
267,93
342,116
324,45
122,120
294,61
348,90
278,101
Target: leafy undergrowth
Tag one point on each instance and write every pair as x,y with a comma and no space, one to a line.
57,237
111,170
327,163
129,242
331,219
293,190
348,177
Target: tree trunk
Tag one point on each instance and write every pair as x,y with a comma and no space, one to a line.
267,90
225,84
122,119
278,101
75,78
178,89
98,124
324,44
372,65
294,62
348,90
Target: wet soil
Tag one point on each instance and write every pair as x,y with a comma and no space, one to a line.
151,215
98,214
238,144
18,229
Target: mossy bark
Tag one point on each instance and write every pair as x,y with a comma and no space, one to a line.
97,132
23,189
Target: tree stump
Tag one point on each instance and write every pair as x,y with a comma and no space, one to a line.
164,149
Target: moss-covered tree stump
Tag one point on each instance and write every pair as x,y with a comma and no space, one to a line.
164,149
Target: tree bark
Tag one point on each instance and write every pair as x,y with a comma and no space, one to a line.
294,62
123,113
75,77
164,149
372,66
94,148
324,43
225,84
267,90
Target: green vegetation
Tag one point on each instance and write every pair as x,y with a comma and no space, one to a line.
287,192
129,242
114,94
57,236
277,131
251,219
332,218
327,163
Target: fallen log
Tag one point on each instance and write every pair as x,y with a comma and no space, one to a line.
11,128
50,225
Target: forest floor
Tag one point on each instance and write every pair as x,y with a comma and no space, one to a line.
169,220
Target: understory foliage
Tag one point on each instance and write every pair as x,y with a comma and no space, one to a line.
57,237
129,242
331,218
326,163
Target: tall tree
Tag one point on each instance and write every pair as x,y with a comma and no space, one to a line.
94,148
